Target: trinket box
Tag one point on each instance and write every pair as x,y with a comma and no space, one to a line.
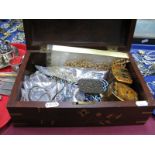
93,44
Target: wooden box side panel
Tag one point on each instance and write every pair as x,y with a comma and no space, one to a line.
80,116
39,59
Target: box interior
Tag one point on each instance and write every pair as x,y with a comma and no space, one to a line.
40,58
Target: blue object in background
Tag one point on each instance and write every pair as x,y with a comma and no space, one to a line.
146,48
12,31
149,80
153,112
142,46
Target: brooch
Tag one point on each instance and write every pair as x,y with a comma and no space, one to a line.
20,27
19,38
7,52
5,26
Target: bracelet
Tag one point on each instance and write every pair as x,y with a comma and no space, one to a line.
31,90
46,93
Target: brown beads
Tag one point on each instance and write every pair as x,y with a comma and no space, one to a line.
87,64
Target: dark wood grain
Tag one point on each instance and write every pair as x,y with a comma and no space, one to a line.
90,33
81,117
18,83
130,34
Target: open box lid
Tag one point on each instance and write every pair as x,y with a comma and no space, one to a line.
91,33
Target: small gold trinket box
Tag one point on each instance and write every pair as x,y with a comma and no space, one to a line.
124,92
121,74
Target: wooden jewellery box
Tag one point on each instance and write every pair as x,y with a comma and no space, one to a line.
54,41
